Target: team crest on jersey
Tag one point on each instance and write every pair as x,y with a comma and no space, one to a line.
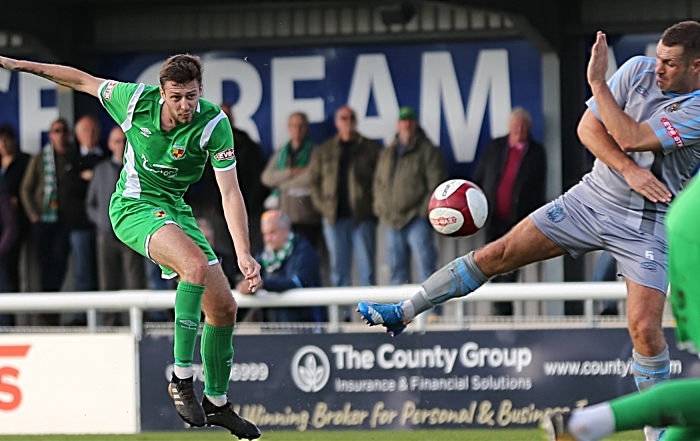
642,91
673,107
556,213
159,213
178,151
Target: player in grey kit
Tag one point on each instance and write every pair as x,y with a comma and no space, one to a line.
643,126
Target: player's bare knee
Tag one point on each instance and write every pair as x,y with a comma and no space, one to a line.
644,332
196,271
224,309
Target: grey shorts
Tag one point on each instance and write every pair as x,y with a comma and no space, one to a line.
641,257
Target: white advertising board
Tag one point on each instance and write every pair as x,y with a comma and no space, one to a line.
68,384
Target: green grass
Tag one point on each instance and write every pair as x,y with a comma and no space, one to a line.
417,435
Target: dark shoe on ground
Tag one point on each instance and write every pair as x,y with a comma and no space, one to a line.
186,402
225,417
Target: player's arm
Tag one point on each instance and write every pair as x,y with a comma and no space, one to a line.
237,221
594,135
63,75
629,135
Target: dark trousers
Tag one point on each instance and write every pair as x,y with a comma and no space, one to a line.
52,245
119,267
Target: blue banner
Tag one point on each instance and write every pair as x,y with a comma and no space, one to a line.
463,92
475,379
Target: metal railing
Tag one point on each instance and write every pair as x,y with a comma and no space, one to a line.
138,301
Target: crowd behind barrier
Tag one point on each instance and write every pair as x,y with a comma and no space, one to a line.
60,197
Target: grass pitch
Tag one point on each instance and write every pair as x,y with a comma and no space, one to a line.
417,435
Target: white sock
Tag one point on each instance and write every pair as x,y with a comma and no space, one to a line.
409,312
183,372
217,401
592,423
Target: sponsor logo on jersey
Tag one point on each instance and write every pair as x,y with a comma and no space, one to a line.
556,213
649,266
159,213
672,132
109,89
145,132
225,155
178,151
165,170
642,91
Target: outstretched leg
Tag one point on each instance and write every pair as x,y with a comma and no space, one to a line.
522,245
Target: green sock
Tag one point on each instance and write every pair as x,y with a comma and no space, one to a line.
672,403
188,308
217,356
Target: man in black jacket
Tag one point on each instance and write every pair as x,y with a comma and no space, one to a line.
511,172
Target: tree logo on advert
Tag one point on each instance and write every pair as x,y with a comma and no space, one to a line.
9,388
310,369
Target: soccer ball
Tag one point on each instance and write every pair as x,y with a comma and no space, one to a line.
457,208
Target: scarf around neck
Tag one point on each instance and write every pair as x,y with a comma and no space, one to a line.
273,260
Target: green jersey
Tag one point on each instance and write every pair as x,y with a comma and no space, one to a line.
160,165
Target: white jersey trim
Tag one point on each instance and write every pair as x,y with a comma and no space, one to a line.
209,129
99,91
221,169
126,125
132,186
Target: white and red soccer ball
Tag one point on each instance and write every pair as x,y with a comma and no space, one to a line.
457,208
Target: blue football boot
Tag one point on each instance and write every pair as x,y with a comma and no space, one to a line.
388,315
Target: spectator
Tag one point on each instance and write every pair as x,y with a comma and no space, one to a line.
119,267
39,192
13,164
511,172
40,195
288,261
407,173
9,235
250,165
287,173
341,172
87,132
82,232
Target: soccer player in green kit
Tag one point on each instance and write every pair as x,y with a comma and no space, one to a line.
171,131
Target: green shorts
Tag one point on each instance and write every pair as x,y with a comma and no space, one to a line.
135,220
684,260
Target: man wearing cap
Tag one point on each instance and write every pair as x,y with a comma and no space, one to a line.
407,173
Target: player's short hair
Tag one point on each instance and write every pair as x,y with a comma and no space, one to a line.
181,69
686,34
276,216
